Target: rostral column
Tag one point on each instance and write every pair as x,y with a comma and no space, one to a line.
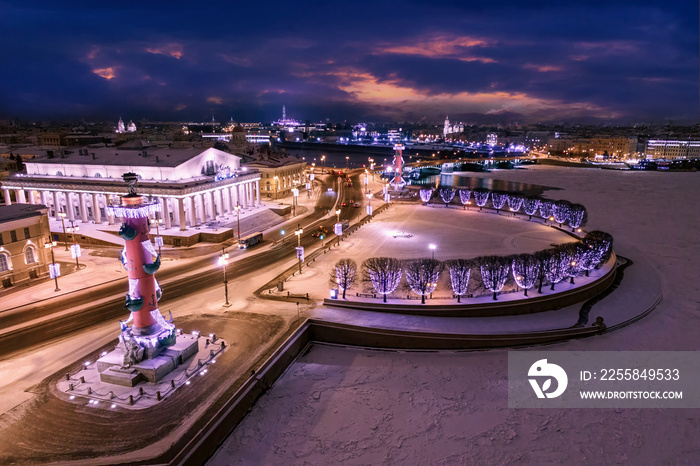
141,261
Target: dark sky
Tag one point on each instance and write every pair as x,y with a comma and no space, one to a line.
610,61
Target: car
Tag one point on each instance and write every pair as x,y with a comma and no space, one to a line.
349,185
357,204
343,204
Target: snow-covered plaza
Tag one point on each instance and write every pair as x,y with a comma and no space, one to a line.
338,404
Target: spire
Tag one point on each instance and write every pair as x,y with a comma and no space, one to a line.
284,112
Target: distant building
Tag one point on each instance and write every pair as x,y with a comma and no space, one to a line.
279,174
120,126
451,129
666,149
130,128
287,123
24,229
192,184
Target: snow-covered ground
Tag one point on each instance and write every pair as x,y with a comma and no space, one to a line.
359,406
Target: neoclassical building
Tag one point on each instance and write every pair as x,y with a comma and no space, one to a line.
24,230
194,185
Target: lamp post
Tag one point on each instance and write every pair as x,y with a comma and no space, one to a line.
54,271
347,162
223,260
298,232
323,161
75,249
369,204
432,248
277,186
337,215
159,240
65,237
238,220
295,193
282,234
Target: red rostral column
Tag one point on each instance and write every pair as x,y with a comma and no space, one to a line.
398,162
141,261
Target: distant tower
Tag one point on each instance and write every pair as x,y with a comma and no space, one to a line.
446,129
284,113
120,126
131,128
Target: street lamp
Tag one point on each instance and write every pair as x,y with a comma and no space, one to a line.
65,237
54,271
277,186
369,204
282,234
432,248
75,249
347,162
238,220
295,193
337,215
323,161
223,260
298,232
159,239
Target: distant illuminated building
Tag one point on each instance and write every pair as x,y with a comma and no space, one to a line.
450,129
120,126
130,128
288,124
492,139
665,149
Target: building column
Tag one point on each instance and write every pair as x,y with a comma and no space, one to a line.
182,218
212,206
257,193
82,207
69,206
166,212
110,217
234,196
32,196
42,198
8,200
56,205
20,196
244,195
226,199
193,212
96,215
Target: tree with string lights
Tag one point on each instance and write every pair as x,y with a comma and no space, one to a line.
561,210
460,269
546,208
542,258
556,266
601,243
464,195
574,256
425,195
530,206
422,275
383,272
494,272
498,200
343,274
481,197
447,194
526,271
515,201
577,216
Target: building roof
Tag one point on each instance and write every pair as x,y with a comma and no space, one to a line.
18,211
144,156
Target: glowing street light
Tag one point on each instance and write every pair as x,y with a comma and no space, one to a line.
75,248
238,220
369,204
54,269
223,261
282,234
323,167
300,251
65,237
432,248
337,215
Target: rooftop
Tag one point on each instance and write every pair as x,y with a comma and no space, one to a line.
18,211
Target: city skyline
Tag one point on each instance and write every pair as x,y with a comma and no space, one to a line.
610,62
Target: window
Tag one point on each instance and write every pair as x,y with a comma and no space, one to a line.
26,233
29,255
59,173
4,263
13,236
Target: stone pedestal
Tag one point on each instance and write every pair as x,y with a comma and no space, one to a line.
152,369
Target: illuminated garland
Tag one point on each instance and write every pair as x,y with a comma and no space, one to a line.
384,273
556,267
531,205
460,270
576,216
515,201
345,274
422,276
498,200
141,211
425,195
546,207
526,271
494,273
481,197
561,210
447,194
464,195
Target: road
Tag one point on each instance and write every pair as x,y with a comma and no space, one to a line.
106,302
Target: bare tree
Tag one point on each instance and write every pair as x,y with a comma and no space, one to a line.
343,274
383,272
422,275
494,272
460,270
526,271
542,258
556,266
